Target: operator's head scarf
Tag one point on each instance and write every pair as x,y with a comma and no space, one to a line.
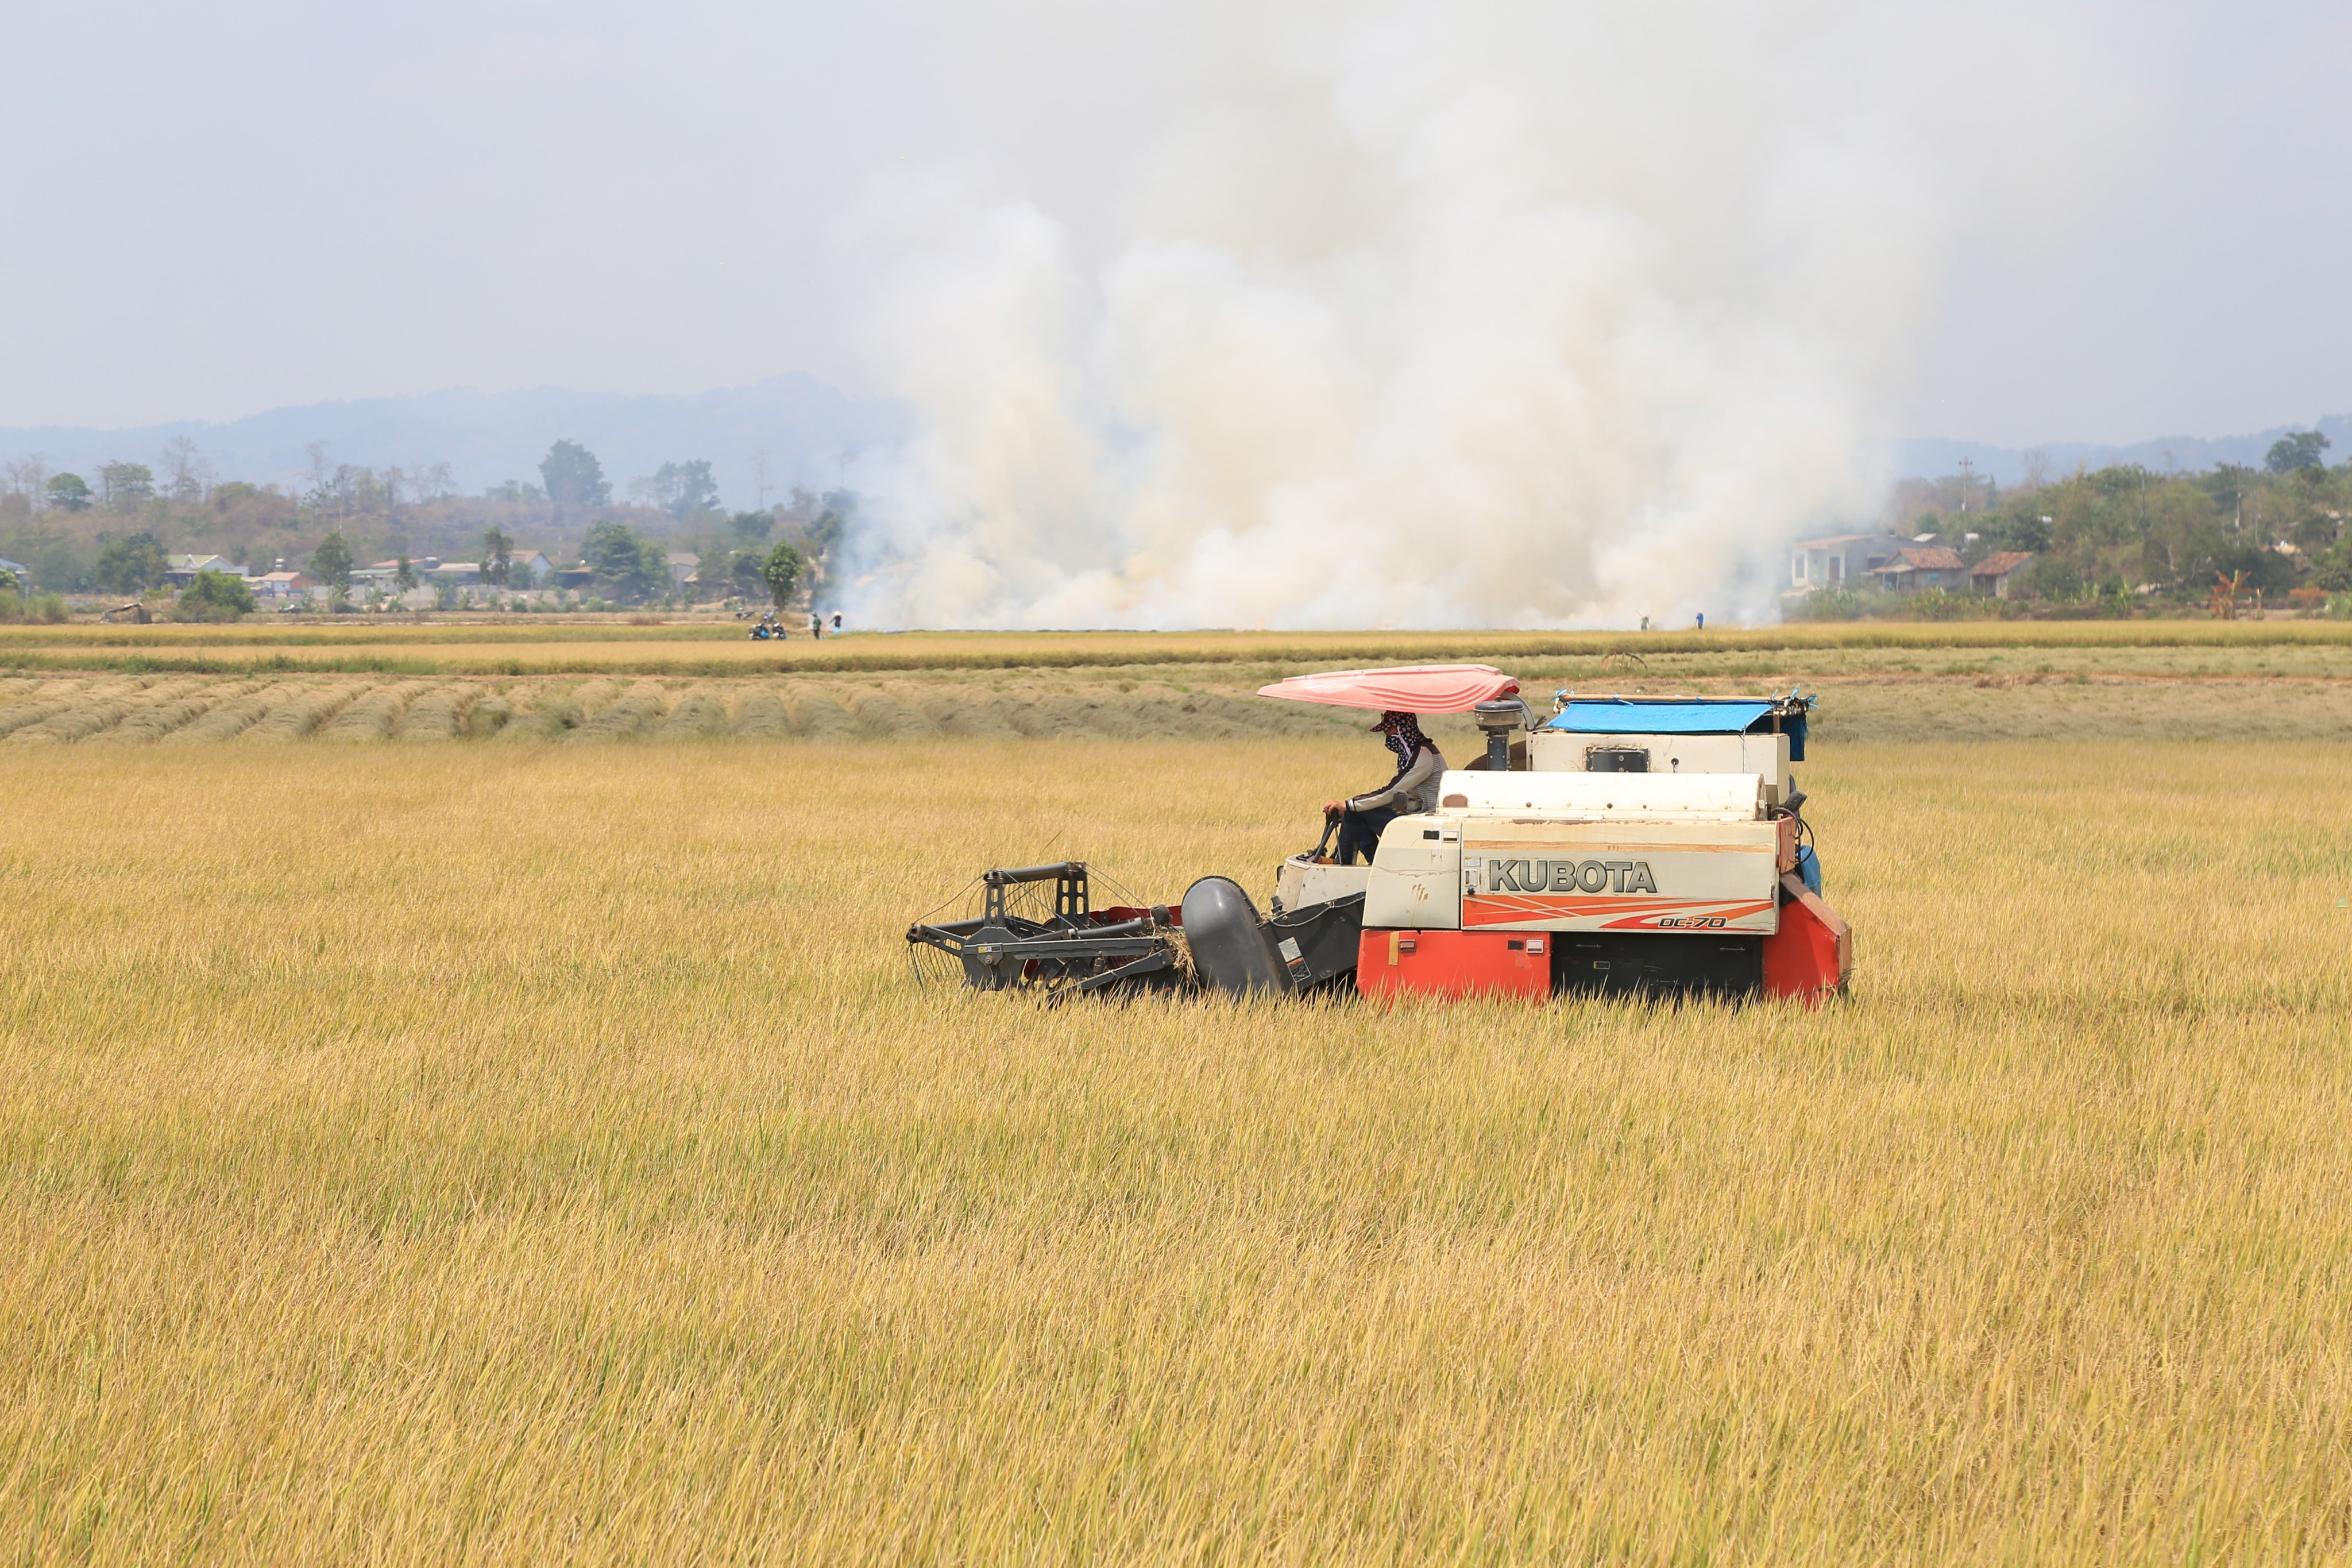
1402,733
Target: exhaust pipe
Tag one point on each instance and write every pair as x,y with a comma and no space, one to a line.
1498,719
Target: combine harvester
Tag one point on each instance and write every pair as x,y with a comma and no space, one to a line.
1626,845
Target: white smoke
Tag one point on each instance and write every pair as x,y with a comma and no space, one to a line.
1491,312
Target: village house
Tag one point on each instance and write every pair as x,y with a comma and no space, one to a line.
283,586
529,569
180,571
1996,574
1916,567
1834,562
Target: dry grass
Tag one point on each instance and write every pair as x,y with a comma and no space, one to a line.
524,1152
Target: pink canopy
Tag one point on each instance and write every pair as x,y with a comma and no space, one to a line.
1415,689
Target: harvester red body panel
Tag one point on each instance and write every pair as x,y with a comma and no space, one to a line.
1812,953
1453,964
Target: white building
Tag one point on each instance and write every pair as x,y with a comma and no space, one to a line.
1837,560
529,569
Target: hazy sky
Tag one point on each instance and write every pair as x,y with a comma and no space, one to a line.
220,208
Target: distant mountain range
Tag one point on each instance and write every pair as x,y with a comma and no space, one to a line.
809,430
1934,459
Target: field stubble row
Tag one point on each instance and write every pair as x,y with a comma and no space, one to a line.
483,1154
146,709
1885,704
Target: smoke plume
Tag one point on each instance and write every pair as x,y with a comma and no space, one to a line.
1488,312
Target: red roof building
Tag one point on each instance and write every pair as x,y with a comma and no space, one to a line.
1996,572
1918,566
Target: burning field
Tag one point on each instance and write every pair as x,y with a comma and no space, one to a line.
527,1147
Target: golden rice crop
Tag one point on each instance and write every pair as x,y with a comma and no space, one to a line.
470,1152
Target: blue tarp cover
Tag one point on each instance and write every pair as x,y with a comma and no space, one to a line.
1701,716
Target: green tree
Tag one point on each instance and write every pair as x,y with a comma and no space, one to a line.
60,565
332,563
627,567
126,485
840,511
653,569
215,596
2335,568
70,493
609,548
2296,450
681,489
403,574
498,556
752,527
131,566
574,477
746,570
782,571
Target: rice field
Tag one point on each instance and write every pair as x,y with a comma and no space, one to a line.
539,1149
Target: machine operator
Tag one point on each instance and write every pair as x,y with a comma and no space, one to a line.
1414,789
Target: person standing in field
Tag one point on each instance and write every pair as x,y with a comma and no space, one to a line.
816,625
836,623
1420,766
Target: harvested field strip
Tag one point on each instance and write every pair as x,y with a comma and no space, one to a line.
168,711
720,649
535,715
303,711
761,715
818,716
438,713
237,713
100,711
701,712
881,716
30,707
635,712
375,716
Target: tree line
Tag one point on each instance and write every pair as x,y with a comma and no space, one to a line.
2128,538
112,531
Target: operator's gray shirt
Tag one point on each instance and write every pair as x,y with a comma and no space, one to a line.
1414,790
